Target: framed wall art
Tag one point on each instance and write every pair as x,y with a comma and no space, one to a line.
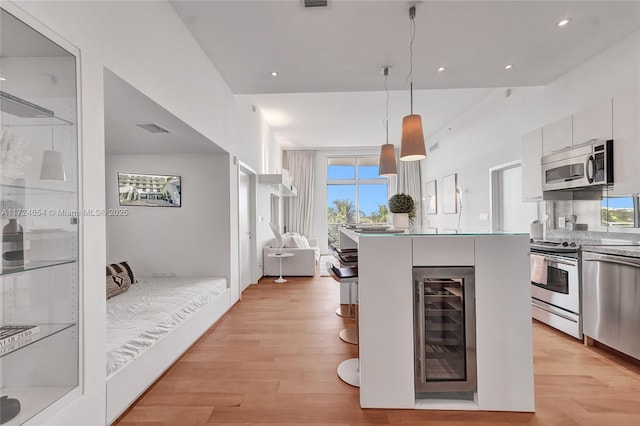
432,197
449,199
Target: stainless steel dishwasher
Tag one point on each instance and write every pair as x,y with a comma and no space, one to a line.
611,301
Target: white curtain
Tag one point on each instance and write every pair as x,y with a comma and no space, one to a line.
409,182
298,211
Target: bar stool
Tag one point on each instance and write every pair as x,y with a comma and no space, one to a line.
349,276
349,255
348,370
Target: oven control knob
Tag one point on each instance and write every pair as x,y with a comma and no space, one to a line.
572,245
565,244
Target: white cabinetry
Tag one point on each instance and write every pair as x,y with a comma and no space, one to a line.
592,123
426,253
531,170
503,319
557,136
280,182
626,143
39,265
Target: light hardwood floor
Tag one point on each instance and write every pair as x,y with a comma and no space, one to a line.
272,360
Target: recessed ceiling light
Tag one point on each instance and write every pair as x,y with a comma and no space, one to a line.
274,73
441,69
563,22
508,67
3,79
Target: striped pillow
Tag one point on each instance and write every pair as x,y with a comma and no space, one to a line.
117,284
115,268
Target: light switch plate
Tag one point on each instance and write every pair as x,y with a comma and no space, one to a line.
562,222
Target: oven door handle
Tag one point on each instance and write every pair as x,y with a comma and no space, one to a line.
559,260
553,312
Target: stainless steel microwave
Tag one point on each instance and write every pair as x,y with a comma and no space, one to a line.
581,166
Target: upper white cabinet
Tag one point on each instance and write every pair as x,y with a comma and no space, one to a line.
626,145
557,136
531,170
593,123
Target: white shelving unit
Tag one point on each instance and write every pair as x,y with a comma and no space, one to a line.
39,264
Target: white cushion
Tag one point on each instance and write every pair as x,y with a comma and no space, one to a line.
290,242
304,243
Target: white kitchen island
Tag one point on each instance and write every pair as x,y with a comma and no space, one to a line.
502,318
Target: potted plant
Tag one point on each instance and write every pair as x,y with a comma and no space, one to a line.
403,209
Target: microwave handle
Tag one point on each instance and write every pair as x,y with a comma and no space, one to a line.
591,169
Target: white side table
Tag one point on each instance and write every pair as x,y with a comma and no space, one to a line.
280,256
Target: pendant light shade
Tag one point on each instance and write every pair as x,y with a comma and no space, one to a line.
412,142
388,160
52,167
412,146
387,165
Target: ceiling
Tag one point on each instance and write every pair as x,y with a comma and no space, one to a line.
329,92
343,47
125,107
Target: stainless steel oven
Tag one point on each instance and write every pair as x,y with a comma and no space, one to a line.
556,301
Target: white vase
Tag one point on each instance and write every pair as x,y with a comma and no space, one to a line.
400,220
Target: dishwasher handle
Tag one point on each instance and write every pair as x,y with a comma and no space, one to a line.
619,260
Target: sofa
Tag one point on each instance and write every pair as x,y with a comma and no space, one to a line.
306,255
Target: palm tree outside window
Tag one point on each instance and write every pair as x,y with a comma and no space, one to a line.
356,193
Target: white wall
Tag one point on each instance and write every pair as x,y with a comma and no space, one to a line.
188,241
165,63
489,134
260,141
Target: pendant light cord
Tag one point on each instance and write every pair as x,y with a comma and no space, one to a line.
412,33
386,89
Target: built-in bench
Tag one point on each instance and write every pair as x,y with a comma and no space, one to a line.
150,326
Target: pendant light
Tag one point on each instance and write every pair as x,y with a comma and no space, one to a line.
412,146
387,163
52,167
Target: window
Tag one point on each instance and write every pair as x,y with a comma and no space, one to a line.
620,211
355,193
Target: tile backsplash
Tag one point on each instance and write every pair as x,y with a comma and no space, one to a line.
584,212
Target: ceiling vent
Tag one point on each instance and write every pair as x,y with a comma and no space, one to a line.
315,3
434,147
152,128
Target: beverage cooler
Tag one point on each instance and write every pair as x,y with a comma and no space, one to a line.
444,330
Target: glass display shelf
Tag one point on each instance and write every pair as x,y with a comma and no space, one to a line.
33,265
33,400
45,331
15,111
37,234
31,189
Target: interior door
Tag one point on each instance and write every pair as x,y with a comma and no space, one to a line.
510,213
245,232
